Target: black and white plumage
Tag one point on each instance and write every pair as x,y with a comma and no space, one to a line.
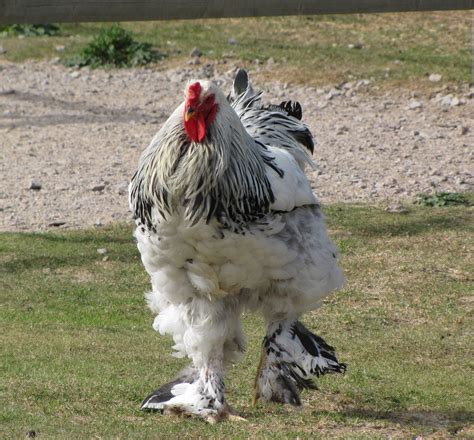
227,221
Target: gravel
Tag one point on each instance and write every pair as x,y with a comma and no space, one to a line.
79,135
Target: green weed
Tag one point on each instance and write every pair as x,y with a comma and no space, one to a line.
114,47
443,199
29,30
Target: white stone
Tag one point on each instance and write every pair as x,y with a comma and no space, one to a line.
435,77
413,105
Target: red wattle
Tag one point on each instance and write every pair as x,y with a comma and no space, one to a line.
196,128
201,127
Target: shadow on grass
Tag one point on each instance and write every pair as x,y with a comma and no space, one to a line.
453,421
415,226
36,250
121,234
376,222
35,262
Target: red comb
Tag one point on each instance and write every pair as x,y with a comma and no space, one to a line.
194,91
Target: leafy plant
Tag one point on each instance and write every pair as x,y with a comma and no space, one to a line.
114,47
442,199
29,30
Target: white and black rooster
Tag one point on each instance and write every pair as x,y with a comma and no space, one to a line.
227,222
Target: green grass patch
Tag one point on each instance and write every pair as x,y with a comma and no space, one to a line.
79,353
393,48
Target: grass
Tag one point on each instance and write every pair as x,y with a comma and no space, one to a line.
396,48
79,353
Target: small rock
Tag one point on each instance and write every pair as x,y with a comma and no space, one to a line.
435,77
232,41
105,258
2,50
413,105
122,188
456,101
57,223
36,186
332,93
446,100
98,188
348,85
60,48
55,60
421,134
75,74
355,46
30,434
341,129
396,208
196,52
464,131
362,83
101,251
195,61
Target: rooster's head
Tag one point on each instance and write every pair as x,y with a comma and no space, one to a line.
200,108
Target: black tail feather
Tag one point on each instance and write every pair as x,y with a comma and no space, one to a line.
241,82
293,108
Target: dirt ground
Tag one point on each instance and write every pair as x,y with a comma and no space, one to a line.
70,139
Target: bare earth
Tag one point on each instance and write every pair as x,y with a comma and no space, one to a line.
78,134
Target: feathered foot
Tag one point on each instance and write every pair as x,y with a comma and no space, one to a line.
158,399
193,392
291,356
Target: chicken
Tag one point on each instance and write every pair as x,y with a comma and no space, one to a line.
226,222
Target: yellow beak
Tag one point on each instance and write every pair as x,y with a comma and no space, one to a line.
189,114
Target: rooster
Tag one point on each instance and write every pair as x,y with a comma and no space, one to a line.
226,222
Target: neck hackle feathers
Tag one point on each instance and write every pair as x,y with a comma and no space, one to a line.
203,168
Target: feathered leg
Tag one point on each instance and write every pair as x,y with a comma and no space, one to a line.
291,356
210,335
